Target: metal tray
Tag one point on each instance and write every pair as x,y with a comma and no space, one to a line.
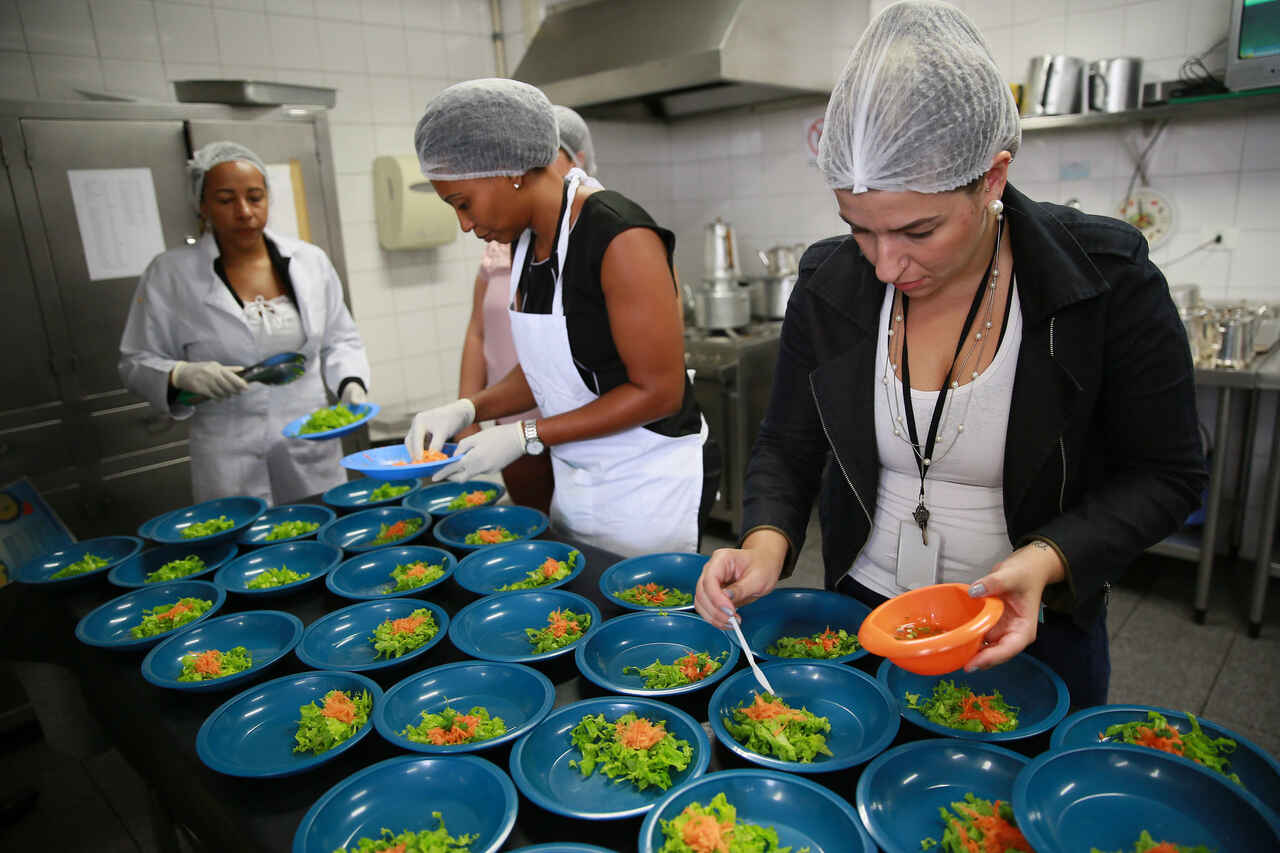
253,92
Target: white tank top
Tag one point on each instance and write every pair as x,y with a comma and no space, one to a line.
276,325
964,490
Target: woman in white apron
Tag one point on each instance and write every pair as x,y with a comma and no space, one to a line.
596,321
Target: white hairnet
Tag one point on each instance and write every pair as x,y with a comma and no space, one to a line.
214,154
919,106
486,128
575,137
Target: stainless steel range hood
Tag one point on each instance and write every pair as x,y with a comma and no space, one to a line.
671,58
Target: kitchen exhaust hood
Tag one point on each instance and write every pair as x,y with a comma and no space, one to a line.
671,58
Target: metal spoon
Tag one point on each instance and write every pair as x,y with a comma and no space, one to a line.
751,657
280,369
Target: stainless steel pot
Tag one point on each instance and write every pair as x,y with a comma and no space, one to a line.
1054,85
722,304
719,251
781,259
769,295
1115,85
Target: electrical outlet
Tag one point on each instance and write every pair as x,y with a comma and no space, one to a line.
1230,237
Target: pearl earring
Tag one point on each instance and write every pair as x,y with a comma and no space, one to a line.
996,206
517,186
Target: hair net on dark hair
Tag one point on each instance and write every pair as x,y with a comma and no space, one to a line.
214,154
486,128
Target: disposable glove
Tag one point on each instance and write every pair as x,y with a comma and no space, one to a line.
488,450
438,424
207,378
353,394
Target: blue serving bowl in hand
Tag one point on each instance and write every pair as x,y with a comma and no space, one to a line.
358,494
41,570
803,813
304,556
673,570
486,570
241,511
435,498
343,639
472,795
638,639
256,534
110,625
493,628
358,531
1104,796
267,635
521,521
252,734
796,612
133,572
1024,682
367,577
1258,770
863,716
521,696
540,762
900,791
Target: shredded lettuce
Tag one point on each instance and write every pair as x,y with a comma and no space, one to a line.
339,716
470,499
209,664
1145,842
827,645
427,841
87,563
330,417
166,617
454,727
413,575
653,595
768,726
563,627
175,569
387,491
1155,732
276,577
969,822
715,827
388,533
685,670
956,706
490,536
632,748
396,637
290,529
550,571
207,528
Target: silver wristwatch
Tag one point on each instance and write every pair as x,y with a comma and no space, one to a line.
532,444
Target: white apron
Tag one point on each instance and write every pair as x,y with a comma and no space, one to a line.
632,492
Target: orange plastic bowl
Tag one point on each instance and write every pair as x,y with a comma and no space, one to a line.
964,622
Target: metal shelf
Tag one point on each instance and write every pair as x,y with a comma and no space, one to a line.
1229,104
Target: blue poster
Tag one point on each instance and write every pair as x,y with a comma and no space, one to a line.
28,527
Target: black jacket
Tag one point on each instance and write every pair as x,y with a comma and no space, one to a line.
1102,456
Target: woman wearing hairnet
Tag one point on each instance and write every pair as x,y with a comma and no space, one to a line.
488,353
1003,387
596,322
239,295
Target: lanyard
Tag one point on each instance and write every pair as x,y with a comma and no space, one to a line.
923,459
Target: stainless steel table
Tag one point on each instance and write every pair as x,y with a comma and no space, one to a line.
1268,379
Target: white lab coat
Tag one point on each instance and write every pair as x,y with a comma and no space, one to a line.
183,311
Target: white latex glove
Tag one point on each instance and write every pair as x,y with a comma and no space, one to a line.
354,395
438,425
488,450
207,378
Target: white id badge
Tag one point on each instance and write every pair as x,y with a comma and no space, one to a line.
917,562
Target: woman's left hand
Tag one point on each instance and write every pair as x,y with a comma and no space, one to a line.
1019,581
488,450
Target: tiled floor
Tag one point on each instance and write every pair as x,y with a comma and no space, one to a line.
1159,656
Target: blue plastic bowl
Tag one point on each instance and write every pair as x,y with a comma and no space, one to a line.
256,533
147,529
638,639
493,628
367,577
489,567
132,573
356,532
108,625
673,570
521,696
304,556
540,761
268,635
343,639
863,716
472,795
114,549
1257,769
392,462
1104,796
252,733
525,522
1038,693
900,791
365,411
354,494
241,510
804,813
800,613
435,498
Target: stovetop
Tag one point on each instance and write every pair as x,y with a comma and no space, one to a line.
755,332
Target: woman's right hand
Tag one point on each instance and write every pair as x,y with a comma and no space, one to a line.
732,578
207,378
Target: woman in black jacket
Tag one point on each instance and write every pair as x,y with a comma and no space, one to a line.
1048,432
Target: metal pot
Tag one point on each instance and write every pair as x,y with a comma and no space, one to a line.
769,295
722,304
1115,85
781,259
1054,86
719,251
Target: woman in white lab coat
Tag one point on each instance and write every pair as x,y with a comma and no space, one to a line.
596,321
236,297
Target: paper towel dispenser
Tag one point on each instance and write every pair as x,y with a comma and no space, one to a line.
410,214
